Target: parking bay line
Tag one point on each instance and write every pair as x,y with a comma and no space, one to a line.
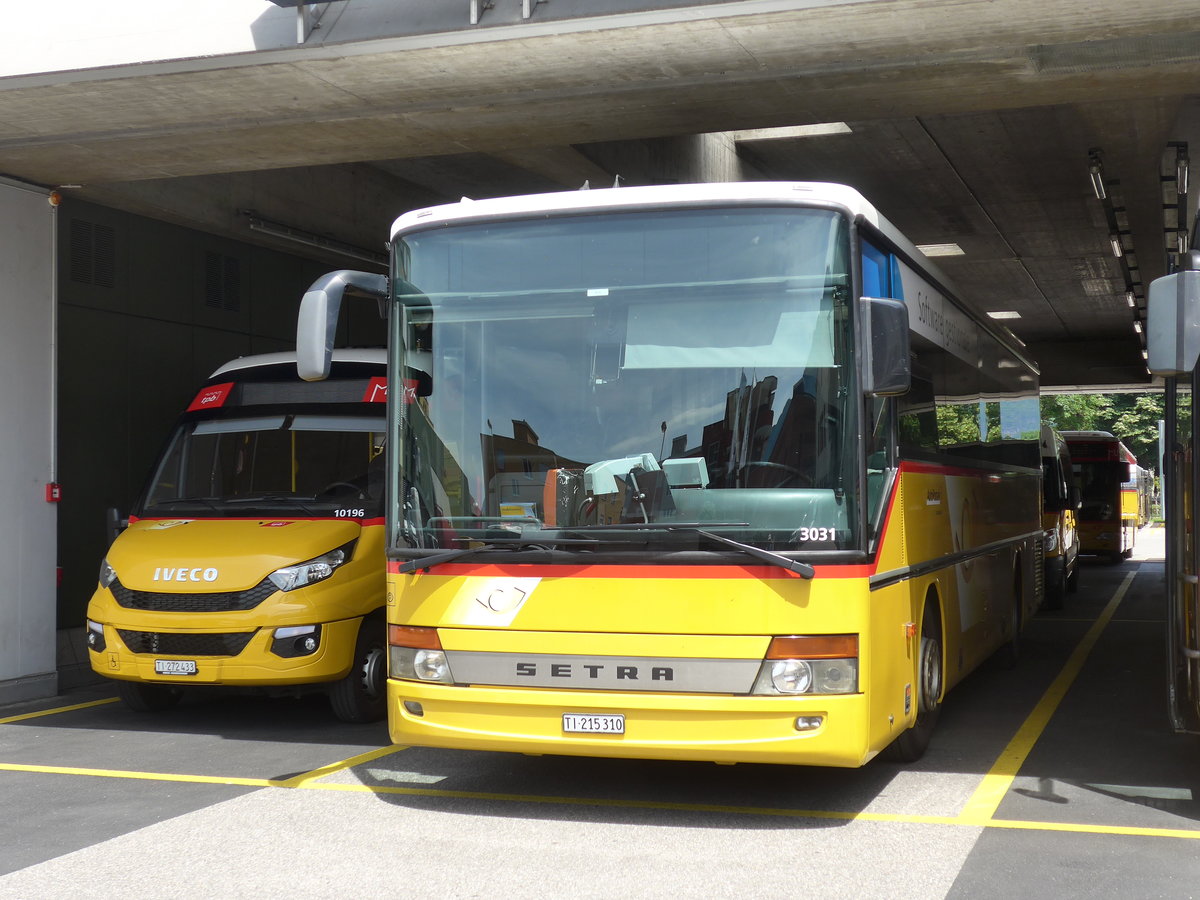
310,781
56,710
982,805
977,813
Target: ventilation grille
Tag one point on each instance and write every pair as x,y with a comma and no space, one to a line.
222,281
93,253
185,644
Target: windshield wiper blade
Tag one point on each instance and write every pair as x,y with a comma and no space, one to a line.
804,570
434,559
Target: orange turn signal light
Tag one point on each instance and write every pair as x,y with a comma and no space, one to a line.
813,646
414,636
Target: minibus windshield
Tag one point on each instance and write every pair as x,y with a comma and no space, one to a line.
282,465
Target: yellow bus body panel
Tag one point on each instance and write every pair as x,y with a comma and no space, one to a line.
724,612
241,553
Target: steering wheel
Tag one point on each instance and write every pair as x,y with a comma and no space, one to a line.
334,487
791,473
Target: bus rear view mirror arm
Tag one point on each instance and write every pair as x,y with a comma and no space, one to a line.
317,323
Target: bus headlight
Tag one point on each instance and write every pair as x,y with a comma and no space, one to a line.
415,654
1051,540
302,574
95,636
809,664
107,574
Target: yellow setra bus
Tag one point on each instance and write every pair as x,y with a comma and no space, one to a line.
717,472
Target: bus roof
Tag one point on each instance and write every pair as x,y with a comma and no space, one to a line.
1098,445
355,354
630,198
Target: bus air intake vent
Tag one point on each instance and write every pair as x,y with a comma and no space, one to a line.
224,601
176,644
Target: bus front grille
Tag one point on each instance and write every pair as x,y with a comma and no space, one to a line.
185,644
223,601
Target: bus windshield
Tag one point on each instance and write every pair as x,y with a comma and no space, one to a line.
278,465
610,376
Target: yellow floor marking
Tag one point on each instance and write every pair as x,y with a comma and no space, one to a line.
57,709
986,800
141,776
303,779
307,782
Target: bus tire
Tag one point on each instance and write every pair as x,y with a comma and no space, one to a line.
910,745
1056,594
362,695
146,698
1010,653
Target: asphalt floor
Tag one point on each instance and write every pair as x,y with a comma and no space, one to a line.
1060,779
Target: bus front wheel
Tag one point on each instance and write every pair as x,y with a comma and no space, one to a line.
911,745
362,695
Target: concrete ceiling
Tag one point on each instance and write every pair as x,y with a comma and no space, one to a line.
971,121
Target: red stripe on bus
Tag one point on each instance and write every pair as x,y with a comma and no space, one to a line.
264,519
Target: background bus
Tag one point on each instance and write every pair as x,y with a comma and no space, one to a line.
254,557
1060,508
676,492
1103,465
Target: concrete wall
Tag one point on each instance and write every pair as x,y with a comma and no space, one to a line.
27,521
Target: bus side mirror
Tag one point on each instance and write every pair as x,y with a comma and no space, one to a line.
1173,319
1076,498
316,324
887,347
114,523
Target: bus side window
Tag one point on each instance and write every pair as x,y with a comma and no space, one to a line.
917,426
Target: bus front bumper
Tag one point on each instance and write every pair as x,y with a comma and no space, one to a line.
256,665
707,727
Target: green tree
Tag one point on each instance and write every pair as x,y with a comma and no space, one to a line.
1078,412
1136,424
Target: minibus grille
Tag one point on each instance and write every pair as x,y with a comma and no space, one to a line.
186,644
224,601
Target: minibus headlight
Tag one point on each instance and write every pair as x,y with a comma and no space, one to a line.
303,574
292,641
107,574
95,636
1051,540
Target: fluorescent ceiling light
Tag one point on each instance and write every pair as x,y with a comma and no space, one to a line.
940,249
1004,314
792,131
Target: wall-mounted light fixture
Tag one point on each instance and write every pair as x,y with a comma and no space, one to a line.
1096,171
311,239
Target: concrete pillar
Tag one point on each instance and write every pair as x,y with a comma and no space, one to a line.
27,444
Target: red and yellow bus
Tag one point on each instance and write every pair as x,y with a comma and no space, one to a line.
717,472
1108,522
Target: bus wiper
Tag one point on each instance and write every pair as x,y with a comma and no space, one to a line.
283,498
435,559
804,570
210,502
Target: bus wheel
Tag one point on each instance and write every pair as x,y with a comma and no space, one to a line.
911,745
1116,558
144,698
1010,653
362,695
1056,594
